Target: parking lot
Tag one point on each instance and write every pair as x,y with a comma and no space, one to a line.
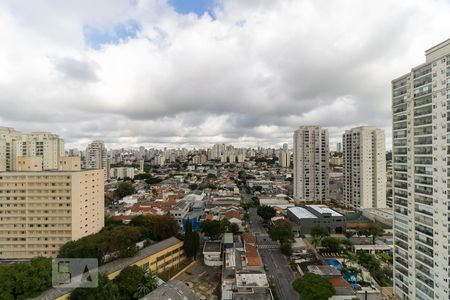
203,280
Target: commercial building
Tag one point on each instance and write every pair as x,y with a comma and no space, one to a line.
420,105
13,144
312,215
42,210
311,164
96,157
364,168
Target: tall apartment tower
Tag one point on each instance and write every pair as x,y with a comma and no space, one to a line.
42,210
311,164
339,147
96,157
421,193
364,168
14,144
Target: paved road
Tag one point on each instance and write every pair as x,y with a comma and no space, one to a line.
279,272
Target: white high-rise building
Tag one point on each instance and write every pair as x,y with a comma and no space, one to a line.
96,157
14,144
421,193
311,164
364,167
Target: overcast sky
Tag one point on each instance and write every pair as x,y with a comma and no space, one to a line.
170,73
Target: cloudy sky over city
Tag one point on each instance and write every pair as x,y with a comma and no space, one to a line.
187,73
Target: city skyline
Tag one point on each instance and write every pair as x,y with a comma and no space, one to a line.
168,74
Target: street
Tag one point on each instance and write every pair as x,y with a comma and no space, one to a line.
278,269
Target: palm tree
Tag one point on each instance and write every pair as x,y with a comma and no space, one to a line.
147,285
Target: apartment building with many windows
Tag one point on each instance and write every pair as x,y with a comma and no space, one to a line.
42,210
311,164
364,167
13,144
421,193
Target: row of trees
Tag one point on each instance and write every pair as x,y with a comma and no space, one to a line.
23,281
120,240
132,283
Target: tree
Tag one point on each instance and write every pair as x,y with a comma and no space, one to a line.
156,227
193,186
147,285
234,228
153,180
318,232
281,231
124,189
211,228
313,287
191,243
164,227
331,244
128,279
23,281
266,212
286,248
375,230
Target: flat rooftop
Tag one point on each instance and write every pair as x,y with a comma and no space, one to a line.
302,213
212,247
323,209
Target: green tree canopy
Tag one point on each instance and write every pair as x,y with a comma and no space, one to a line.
286,248
313,287
212,229
128,279
318,232
23,281
375,230
191,243
124,189
266,212
281,231
331,244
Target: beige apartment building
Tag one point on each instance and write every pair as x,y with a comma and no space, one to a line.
311,164
13,144
364,167
42,210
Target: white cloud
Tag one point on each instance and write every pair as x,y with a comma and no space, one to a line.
250,76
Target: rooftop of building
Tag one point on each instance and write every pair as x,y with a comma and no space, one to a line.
323,209
212,247
171,290
302,213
